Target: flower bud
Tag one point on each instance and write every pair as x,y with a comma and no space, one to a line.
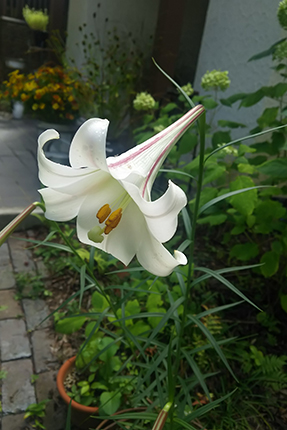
215,80
144,101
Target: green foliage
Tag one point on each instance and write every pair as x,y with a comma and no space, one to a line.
35,412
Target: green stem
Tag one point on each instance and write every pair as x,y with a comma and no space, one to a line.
190,266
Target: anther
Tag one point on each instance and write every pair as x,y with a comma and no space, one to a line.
103,213
114,218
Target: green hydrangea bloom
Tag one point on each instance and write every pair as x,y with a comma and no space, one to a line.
188,89
280,52
228,150
144,101
282,14
215,80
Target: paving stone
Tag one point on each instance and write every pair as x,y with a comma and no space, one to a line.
46,389
21,258
7,279
35,312
14,342
9,307
43,358
17,391
14,422
4,255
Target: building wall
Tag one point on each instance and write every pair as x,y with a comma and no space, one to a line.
235,31
126,16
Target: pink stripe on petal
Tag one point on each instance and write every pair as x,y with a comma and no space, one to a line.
155,139
165,150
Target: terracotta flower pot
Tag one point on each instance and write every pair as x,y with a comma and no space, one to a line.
82,416
85,416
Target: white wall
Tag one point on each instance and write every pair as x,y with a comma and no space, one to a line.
139,17
235,31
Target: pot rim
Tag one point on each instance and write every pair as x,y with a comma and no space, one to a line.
61,376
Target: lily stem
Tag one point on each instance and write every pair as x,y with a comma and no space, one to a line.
201,127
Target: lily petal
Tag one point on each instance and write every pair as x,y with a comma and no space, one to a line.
155,258
88,147
161,214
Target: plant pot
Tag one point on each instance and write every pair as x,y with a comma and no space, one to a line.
85,417
81,415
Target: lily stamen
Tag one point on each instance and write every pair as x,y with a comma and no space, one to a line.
103,213
113,220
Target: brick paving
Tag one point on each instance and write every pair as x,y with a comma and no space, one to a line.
25,347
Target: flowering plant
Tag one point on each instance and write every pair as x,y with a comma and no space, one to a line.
49,93
111,199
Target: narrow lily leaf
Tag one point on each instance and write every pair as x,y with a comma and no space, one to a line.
184,245
218,309
49,244
225,270
181,283
164,320
82,284
170,376
213,342
73,296
251,136
92,257
225,196
206,408
178,172
224,281
69,413
187,223
208,346
189,101
94,329
197,373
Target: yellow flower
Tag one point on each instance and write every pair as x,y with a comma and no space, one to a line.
24,97
42,106
55,106
35,106
30,86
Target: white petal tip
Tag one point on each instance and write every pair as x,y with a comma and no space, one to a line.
180,257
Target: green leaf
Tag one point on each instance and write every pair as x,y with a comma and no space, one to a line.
209,103
268,117
187,143
271,260
267,52
197,373
70,324
252,98
110,402
243,149
213,219
233,99
244,251
110,348
246,168
213,172
99,302
230,124
238,229
283,301
276,168
244,203
154,321
140,328
133,307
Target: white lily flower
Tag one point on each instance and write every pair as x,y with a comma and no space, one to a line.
111,196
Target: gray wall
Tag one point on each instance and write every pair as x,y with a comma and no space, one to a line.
139,17
235,31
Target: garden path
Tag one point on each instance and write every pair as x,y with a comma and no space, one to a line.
25,345
18,168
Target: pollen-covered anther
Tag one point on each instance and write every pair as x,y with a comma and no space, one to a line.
103,213
113,220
